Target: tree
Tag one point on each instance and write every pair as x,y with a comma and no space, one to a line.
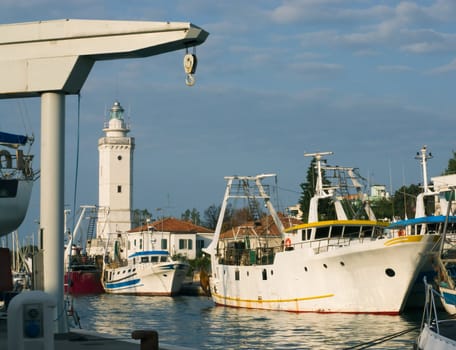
140,217
308,191
451,169
211,216
404,201
191,215
383,208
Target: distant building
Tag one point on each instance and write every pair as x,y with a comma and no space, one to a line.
179,237
378,192
295,211
442,185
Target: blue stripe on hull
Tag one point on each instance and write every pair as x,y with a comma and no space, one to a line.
450,299
127,284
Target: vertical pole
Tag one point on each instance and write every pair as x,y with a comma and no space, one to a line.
52,198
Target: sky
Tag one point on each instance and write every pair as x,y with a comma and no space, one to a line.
371,81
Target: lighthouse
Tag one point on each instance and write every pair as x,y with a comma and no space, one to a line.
115,177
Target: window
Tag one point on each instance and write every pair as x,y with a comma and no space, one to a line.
119,189
145,259
185,244
164,243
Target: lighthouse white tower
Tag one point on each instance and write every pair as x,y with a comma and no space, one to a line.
115,176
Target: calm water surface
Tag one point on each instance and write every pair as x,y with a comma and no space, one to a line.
196,323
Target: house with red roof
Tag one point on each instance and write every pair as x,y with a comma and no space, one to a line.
179,237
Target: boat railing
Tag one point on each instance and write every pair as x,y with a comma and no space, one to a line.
16,166
117,263
326,244
430,309
248,256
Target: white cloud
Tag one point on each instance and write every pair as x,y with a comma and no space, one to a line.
450,67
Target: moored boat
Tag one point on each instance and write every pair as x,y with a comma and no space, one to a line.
145,270
16,180
428,219
343,265
83,273
435,333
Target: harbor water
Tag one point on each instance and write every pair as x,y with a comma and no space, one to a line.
195,322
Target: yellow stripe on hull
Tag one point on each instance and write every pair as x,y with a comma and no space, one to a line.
272,300
404,239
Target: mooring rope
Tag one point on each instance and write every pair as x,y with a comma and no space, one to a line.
381,340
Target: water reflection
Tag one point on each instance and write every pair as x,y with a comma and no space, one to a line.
195,322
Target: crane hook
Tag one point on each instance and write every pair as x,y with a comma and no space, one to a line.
190,63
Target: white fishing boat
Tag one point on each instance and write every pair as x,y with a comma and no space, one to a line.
344,265
145,270
16,181
435,333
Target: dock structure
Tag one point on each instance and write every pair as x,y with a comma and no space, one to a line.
81,339
52,59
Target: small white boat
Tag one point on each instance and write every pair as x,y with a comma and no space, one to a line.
149,272
343,265
16,181
435,333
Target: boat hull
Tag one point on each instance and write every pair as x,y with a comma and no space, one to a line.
430,339
369,277
146,279
81,282
14,208
448,298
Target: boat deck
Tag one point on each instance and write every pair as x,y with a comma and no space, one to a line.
447,328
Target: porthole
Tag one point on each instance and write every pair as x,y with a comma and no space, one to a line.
342,263
390,272
325,266
305,268
248,274
272,272
119,157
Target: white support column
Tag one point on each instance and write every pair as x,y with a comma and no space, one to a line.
52,198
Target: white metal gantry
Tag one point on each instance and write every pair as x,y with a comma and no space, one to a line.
52,59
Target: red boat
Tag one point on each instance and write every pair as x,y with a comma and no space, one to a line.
83,277
82,273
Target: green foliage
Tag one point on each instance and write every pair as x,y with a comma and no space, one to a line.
191,215
383,208
405,201
451,169
140,217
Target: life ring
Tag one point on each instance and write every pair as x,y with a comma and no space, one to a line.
401,233
288,242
